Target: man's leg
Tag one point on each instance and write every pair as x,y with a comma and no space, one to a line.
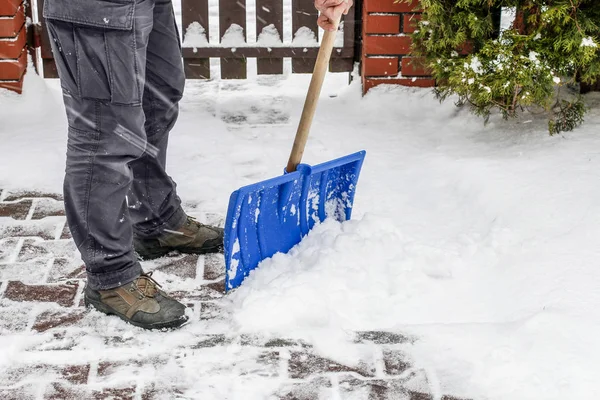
101,63
159,222
153,201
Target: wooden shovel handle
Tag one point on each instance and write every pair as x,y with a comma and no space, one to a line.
312,97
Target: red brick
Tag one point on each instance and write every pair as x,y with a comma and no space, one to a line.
413,66
10,27
126,393
61,294
384,66
14,70
382,24
387,45
303,364
18,210
391,6
465,49
15,86
369,83
49,319
12,48
410,22
8,8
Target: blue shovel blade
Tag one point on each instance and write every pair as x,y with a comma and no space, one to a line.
274,215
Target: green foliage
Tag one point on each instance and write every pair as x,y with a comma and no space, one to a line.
554,46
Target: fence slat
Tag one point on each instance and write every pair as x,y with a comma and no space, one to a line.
269,12
345,64
47,57
232,12
304,14
195,11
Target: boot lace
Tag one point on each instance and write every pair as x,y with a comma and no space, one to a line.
147,285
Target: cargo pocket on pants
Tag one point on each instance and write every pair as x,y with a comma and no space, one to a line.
95,41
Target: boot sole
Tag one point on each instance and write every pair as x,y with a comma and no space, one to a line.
103,308
185,250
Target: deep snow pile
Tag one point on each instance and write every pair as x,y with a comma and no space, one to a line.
482,241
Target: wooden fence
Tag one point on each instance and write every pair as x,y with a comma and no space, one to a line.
269,16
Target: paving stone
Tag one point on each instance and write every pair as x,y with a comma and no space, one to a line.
380,337
63,294
304,364
214,267
48,208
16,195
211,341
183,266
71,374
108,368
61,391
66,233
31,272
396,362
316,389
31,250
286,343
17,394
154,392
18,210
265,364
45,230
64,269
210,310
127,393
36,248
218,287
52,319
60,340
203,293
7,248
351,387
13,319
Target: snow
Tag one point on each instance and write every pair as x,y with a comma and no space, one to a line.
588,42
195,36
269,37
233,36
304,36
482,241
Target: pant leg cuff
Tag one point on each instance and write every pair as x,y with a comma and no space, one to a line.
113,279
174,222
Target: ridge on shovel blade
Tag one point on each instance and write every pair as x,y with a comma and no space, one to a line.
272,216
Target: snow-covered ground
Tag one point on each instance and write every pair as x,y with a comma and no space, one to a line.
482,241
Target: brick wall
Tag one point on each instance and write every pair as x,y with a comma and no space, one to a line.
386,44
13,38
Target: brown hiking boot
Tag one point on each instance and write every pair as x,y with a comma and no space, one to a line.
192,237
141,303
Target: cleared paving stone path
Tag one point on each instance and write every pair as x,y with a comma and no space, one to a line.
56,349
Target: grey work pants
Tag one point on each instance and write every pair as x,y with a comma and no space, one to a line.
120,69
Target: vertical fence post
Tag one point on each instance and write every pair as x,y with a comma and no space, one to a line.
304,14
232,12
269,12
195,11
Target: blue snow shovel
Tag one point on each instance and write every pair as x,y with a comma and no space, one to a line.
274,215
